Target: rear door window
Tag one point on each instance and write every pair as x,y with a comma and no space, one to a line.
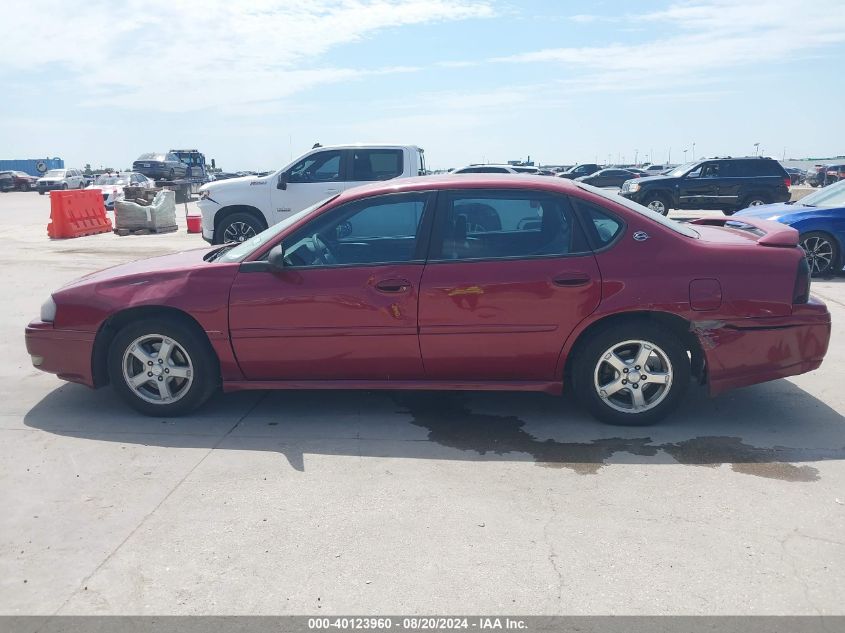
376,164
490,224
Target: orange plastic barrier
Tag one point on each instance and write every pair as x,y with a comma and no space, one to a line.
77,213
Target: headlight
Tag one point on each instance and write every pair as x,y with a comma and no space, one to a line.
48,311
632,186
203,194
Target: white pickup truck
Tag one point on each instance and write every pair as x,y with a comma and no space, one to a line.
235,210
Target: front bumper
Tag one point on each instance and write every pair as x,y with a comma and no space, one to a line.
41,186
66,353
750,351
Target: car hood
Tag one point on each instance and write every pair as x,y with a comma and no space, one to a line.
106,188
50,179
770,211
241,181
144,271
648,179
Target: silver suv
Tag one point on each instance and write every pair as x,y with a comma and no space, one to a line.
60,179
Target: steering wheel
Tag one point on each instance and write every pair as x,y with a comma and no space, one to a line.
321,250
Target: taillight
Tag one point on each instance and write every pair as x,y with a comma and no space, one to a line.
787,181
801,292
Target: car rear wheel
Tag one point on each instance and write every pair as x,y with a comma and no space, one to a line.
631,375
171,174
822,252
162,367
64,185
756,200
237,227
657,203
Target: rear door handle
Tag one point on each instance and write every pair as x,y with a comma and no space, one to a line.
393,285
569,281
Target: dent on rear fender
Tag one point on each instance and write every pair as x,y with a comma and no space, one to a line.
707,333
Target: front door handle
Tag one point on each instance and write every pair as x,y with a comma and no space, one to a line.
393,285
332,190
571,280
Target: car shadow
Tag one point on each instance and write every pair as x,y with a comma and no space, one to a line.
774,430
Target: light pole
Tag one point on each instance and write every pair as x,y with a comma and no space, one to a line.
685,156
693,150
636,152
756,148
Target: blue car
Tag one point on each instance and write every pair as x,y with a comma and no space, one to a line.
820,221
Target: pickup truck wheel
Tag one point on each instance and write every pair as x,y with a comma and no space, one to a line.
632,374
657,203
162,367
821,251
237,227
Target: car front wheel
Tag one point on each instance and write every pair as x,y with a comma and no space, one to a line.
657,203
162,367
237,227
632,374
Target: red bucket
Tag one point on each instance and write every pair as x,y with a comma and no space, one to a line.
194,223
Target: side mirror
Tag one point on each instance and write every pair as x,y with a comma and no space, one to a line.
276,257
283,182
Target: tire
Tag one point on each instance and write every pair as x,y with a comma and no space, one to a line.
64,186
237,227
756,200
171,174
822,252
190,354
40,192
657,202
667,360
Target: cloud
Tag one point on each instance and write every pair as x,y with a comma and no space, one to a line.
180,56
695,38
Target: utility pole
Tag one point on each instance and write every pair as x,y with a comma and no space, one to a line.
756,148
669,159
693,150
685,155
636,152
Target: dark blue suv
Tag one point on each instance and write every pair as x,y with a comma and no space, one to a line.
728,184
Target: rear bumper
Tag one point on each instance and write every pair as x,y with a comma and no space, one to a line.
66,353
750,351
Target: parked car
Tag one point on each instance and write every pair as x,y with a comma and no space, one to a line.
160,166
584,169
815,176
654,170
390,286
60,179
112,185
612,177
16,180
820,220
637,170
796,175
485,169
238,209
833,174
728,184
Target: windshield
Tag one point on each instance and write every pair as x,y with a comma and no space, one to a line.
682,169
678,227
241,251
151,156
55,173
830,196
112,180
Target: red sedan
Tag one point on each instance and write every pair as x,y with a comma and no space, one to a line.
463,282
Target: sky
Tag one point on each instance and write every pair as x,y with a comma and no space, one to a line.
255,83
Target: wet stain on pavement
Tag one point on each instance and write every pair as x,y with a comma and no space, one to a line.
451,423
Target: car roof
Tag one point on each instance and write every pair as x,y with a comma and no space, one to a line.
461,181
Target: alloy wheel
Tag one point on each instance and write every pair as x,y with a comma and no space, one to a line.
633,376
157,369
238,232
657,206
756,203
819,253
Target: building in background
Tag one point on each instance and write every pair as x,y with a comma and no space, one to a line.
32,166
